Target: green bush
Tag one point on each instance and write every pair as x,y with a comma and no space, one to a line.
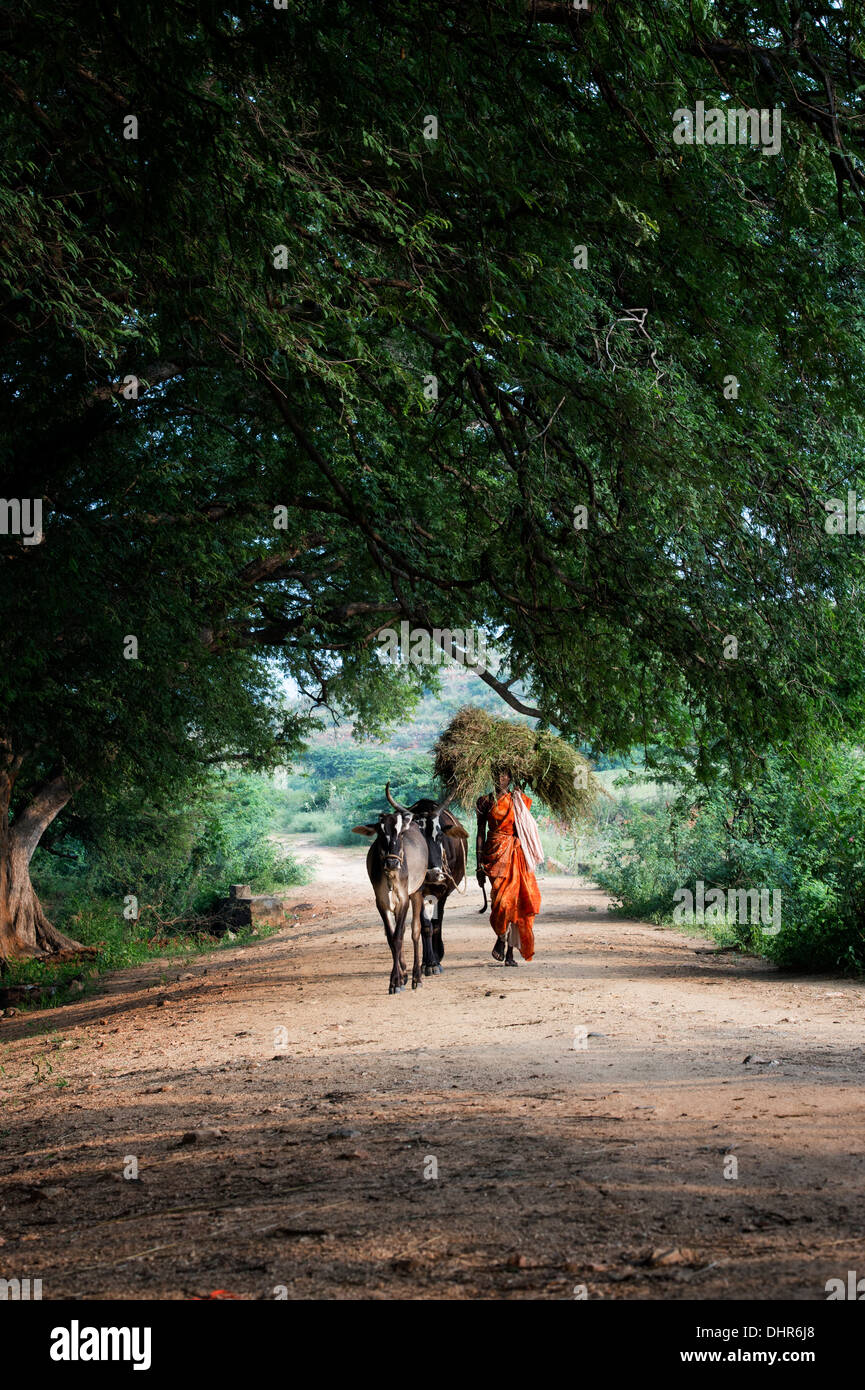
343,785
800,829
176,859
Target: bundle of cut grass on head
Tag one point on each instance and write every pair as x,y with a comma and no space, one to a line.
475,745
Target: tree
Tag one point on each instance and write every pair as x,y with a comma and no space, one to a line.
323,318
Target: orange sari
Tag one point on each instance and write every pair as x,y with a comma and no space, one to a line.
516,897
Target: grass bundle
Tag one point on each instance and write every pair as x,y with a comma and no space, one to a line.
475,745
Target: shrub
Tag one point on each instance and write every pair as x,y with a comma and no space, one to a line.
176,859
800,828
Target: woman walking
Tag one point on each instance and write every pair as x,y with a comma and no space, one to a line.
508,852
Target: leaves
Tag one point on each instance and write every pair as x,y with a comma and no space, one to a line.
409,261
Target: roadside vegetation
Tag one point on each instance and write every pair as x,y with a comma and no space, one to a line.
176,860
798,828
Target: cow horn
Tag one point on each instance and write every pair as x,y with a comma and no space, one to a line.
446,803
395,804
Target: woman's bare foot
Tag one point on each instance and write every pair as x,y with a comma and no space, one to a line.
499,948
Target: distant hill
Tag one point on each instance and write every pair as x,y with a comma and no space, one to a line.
459,687
434,712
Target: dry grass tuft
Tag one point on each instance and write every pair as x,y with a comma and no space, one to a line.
475,744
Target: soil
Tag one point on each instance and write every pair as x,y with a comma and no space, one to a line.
586,1124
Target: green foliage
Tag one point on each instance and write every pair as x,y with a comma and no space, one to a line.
454,687
299,384
120,944
344,786
176,858
800,828
281,488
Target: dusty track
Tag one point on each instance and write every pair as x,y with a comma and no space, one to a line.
557,1166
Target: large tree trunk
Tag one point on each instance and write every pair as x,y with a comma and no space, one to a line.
24,928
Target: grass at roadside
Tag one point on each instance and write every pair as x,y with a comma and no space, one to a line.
120,944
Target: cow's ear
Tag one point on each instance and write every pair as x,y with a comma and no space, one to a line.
364,829
458,831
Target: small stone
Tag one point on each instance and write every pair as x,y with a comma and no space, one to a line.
662,1259
201,1136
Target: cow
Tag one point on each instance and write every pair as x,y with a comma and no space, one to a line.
446,843
397,863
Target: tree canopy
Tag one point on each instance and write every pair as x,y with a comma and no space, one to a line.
322,317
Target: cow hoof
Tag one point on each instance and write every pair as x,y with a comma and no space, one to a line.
396,989
415,984
437,969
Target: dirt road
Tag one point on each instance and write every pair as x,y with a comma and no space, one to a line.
646,1161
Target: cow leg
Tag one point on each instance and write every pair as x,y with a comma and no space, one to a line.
430,962
416,919
403,969
390,932
438,942
399,974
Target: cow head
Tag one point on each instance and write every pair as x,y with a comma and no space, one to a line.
389,830
428,818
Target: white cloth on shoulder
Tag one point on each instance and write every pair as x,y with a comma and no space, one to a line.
527,830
